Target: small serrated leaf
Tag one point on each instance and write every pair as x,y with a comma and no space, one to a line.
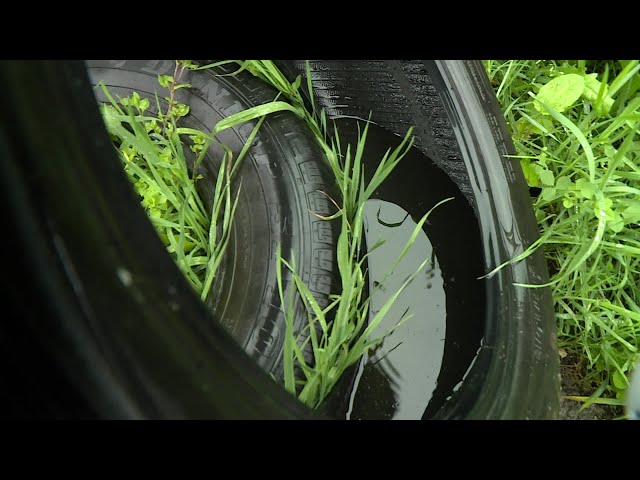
165,80
181,109
143,105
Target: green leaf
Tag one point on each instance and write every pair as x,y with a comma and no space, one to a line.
585,250
603,210
567,202
530,174
599,401
143,105
616,224
609,151
563,183
560,93
624,76
165,80
619,380
181,110
289,341
548,194
253,113
584,143
546,176
591,91
631,214
536,123
296,84
586,189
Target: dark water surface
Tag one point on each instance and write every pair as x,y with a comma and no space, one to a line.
417,367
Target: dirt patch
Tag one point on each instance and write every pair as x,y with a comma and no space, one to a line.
572,383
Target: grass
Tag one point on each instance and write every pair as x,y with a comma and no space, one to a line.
340,333
152,149
575,126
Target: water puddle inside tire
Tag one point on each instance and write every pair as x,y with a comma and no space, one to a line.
417,367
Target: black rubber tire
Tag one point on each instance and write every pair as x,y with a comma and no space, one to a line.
285,181
458,123
115,331
146,347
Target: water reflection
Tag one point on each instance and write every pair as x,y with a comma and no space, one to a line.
410,357
417,367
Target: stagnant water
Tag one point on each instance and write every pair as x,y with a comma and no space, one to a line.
411,374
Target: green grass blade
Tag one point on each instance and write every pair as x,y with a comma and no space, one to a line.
289,340
627,73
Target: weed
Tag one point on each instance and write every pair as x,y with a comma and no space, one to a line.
153,153
574,125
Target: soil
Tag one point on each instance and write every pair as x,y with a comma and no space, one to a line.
572,374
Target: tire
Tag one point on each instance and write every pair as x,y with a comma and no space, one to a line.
458,124
146,347
285,182
115,331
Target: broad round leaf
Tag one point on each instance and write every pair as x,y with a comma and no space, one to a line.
560,93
